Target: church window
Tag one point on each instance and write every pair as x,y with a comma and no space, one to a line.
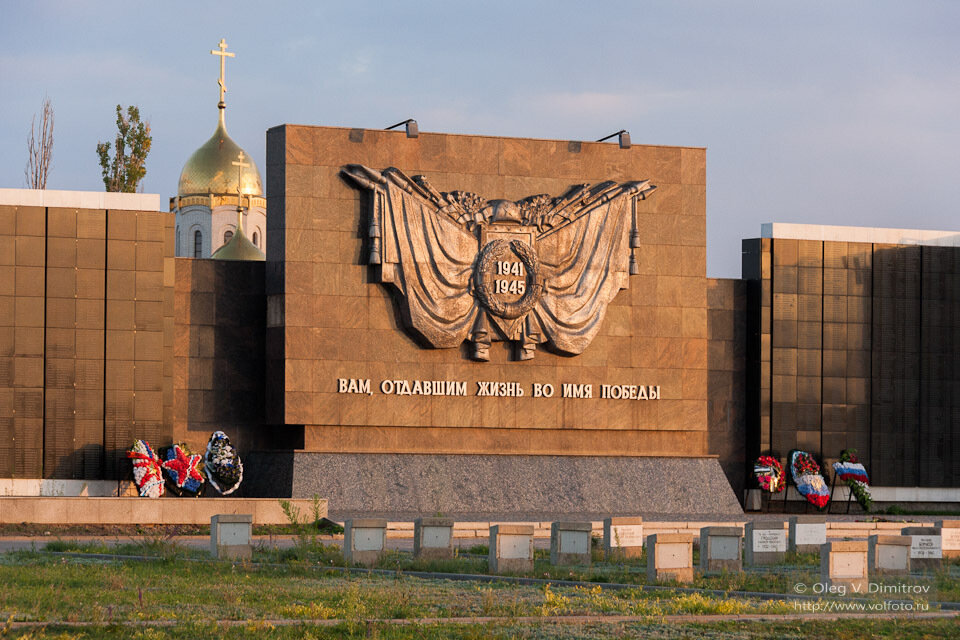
227,235
197,244
256,240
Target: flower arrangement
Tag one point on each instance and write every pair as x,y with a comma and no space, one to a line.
769,474
183,470
851,471
146,469
806,475
222,464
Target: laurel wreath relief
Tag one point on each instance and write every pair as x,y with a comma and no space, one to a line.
489,255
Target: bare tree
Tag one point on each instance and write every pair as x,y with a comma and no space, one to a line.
40,149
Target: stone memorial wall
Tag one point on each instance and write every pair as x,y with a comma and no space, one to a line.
86,327
482,297
370,358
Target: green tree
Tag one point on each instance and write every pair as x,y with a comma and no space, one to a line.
126,169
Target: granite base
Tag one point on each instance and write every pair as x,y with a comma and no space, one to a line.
484,487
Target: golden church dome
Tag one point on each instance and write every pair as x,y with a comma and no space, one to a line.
239,248
212,168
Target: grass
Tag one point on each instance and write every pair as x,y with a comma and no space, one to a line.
309,551
188,594
848,630
67,589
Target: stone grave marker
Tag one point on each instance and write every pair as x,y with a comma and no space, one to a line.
230,536
623,537
433,538
925,547
807,533
363,540
765,542
889,555
844,564
670,557
570,543
511,548
949,538
720,549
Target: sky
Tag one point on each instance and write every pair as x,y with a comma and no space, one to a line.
816,112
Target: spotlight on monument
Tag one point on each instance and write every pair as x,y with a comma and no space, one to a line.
414,132
624,138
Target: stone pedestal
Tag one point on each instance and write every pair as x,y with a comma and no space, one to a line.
433,538
721,549
570,543
230,536
889,555
844,565
511,548
670,557
949,538
806,534
926,551
765,542
363,540
623,537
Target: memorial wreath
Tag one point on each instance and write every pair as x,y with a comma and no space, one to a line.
146,470
852,471
183,470
806,475
769,474
222,464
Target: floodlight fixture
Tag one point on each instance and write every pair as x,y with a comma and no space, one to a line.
624,138
413,131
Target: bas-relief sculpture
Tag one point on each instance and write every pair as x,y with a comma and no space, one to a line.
540,270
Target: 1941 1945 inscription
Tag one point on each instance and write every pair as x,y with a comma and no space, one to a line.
499,389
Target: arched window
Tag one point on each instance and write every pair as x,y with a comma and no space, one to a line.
227,235
256,240
197,244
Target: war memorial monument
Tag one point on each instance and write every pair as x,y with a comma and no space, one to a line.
409,323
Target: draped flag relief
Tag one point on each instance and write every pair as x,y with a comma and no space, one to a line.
539,270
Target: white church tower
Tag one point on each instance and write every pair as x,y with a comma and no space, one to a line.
220,187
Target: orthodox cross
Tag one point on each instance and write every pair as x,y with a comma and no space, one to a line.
240,165
224,54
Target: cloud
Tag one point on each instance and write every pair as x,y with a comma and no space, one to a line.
357,64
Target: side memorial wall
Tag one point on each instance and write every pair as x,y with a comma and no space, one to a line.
853,344
218,356
86,331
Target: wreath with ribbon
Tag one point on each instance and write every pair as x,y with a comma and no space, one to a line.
806,475
769,474
146,469
533,289
852,471
222,464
